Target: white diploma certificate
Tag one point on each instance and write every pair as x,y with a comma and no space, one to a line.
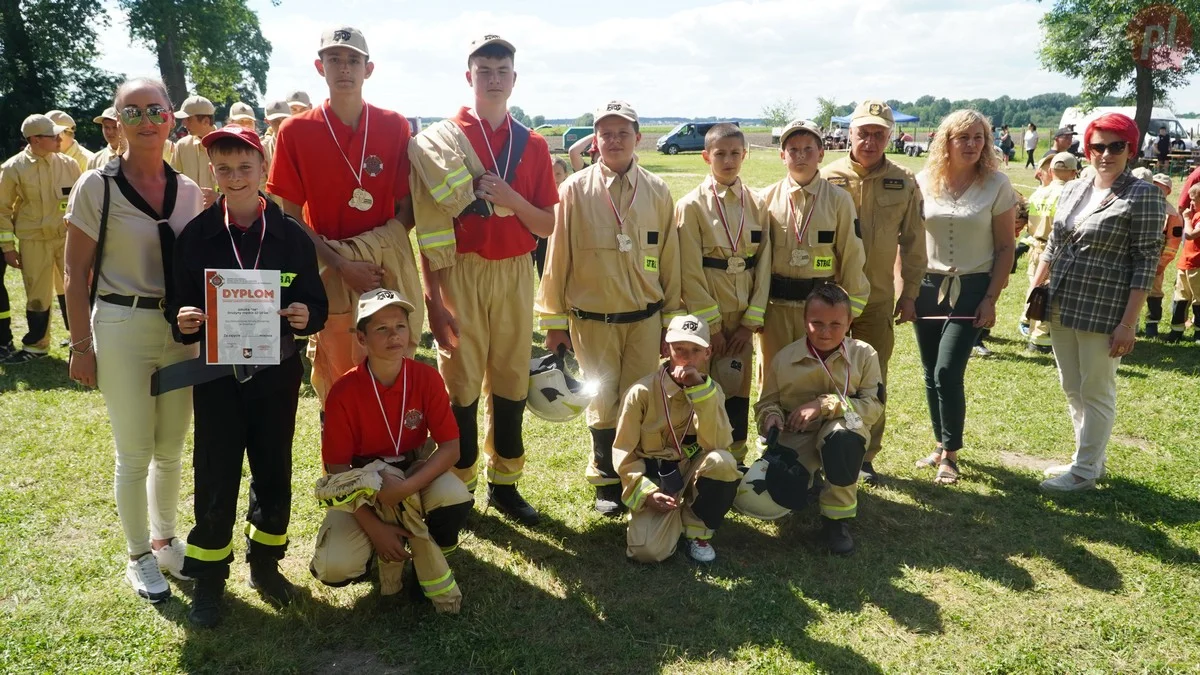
241,310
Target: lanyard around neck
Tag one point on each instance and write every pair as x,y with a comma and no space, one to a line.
667,413
366,131
845,387
262,209
395,439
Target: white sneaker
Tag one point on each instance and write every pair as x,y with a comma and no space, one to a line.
1068,482
146,579
1060,469
170,558
701,551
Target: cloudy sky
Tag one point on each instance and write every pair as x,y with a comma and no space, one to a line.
667,57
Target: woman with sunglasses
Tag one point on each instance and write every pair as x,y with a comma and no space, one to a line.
969,223
120,220
1100,264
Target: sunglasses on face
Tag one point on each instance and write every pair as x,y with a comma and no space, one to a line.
132,115
1115,148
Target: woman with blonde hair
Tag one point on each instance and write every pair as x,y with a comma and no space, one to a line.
969,220
121,218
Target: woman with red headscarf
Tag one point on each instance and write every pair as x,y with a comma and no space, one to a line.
1100,264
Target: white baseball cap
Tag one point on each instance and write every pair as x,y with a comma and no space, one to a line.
688,328
373,301
241,111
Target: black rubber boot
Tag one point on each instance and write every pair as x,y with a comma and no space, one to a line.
509,501
1154,310
837,536
868,474
208,603
266,578
608,500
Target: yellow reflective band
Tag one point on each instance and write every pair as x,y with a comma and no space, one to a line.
697,532
645,488
6,315
553,322
857,305
447,550
7,236
209,555
701,392
265,538
502,478
667,316
755,313
709,313
434,594
839,512
449,183
436,239
472,483
346,499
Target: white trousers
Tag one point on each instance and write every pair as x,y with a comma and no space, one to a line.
1089,379
149,431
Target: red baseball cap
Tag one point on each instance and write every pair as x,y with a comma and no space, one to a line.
236,132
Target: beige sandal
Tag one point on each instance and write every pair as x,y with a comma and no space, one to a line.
931,461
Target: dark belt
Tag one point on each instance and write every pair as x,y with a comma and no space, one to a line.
723,263
620,317
786,288
134,301
195,371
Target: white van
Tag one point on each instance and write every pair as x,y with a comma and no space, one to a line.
1159,117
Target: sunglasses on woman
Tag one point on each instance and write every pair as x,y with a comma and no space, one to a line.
1114,148
132,115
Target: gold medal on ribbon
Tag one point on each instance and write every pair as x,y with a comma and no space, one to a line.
361,200
735,265
800,258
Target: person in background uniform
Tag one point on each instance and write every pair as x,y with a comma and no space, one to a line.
188,156
889,207
824,393
612,281
562,169
342,170
671,452
726,268
238,412
34,186
299,102
1162,148
1062,141
814,239
243,115
476,263
276,112
1173,235
1043,204
67,143
110,126
1187,282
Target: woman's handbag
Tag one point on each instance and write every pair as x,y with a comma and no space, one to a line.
1037,305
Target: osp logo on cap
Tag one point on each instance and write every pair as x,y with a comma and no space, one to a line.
876,109
491,37
341,35
691,325
385,295
1161,37
613,106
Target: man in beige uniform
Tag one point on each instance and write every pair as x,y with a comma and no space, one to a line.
298,102
726,269
813,236
34,186
822,392
67,144
111,127
888,203
611,282
189,157
677,476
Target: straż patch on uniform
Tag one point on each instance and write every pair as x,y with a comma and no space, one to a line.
893,183
839,181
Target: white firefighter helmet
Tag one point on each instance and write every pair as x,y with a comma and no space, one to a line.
774,486
728,372
554,395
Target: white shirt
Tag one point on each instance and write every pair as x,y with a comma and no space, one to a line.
1031,140
958,232
1088,202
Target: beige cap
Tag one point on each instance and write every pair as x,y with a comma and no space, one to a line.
299,97
40,125
800,126
344,36
872,112
1142,173
688,328
373,301
729,372
277,110
481,42
109,113
1044,162
61,118
1164,180
241,111
616,109
195,105
1065,160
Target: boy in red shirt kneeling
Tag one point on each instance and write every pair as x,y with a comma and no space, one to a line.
390,442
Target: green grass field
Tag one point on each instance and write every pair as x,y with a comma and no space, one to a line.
985,576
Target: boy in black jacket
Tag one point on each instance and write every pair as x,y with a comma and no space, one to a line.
242,408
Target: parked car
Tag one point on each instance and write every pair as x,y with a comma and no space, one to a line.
685,137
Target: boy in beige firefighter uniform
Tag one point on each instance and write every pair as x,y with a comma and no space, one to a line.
34,186
813,236
888,203
822,392
475,243
113,135
298,102
612,269
68,145
188,156
726,269
1043,204
676,475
